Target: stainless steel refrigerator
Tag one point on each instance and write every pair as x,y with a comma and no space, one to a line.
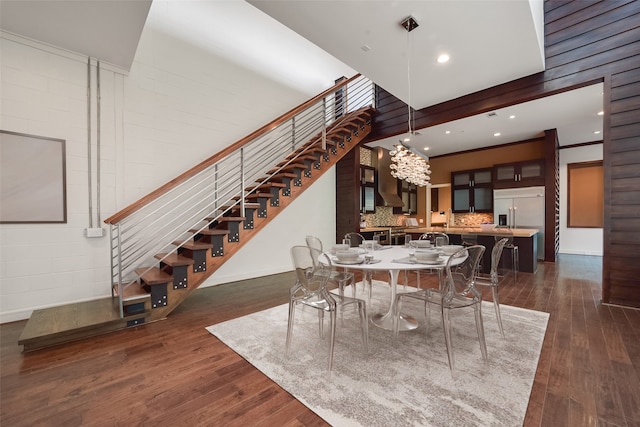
521,208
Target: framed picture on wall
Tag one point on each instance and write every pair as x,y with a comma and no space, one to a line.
32,179
585,195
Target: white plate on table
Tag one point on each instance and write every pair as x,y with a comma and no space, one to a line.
360,260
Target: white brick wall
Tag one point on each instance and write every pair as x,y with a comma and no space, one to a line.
177,106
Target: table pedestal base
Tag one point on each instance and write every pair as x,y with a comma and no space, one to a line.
385,321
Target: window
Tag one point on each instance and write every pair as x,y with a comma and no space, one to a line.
585,195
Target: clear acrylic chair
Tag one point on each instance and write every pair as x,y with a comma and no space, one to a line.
357,240
311,290
493,279
341,278
433,235
458,292
515,255
443,239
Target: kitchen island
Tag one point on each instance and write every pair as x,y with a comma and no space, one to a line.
524,238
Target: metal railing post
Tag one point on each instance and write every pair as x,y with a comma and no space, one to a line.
324,123
242,186
120,287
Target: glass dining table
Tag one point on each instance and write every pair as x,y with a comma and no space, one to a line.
393,259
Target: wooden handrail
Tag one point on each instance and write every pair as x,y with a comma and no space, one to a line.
135,206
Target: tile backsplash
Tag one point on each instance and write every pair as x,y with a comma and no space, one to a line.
384,216
471,219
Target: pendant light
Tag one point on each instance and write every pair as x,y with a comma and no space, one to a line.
406,163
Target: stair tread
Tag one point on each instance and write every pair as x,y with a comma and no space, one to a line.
193,246
153,276
175,259
288,167
267,185
132,292
256,196
211,231
298,158
282,175
231,219
247,205
315,149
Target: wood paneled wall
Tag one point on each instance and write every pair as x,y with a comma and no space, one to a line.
585,42
347,194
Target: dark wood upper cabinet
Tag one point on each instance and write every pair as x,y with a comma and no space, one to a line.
409,195
520,174
368,189
472,191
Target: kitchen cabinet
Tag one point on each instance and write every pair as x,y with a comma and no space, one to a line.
519,174
368,181
435,195
472,191
409,195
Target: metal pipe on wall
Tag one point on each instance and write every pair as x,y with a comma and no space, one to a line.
89,140
98,98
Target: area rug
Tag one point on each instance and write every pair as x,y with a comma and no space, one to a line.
406,383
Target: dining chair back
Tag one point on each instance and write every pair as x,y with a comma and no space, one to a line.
436,238
341,278
357,240
493,278
433,236
312,269
458,291
515,255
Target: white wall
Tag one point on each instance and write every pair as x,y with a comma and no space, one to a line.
177,106
580,241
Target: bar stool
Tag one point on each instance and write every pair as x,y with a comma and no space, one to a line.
469,239
515,255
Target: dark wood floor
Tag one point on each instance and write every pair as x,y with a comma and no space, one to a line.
174,372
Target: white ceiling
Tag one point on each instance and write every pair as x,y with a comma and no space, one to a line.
108,30
489,41
574,114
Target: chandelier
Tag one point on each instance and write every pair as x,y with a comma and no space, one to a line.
407,164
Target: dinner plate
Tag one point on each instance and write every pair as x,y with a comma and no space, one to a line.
360,260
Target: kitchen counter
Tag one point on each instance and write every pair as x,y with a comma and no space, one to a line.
374,229
465,231
524,238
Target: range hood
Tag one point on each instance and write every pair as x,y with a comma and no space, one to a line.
387,185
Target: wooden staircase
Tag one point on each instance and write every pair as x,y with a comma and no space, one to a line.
162,287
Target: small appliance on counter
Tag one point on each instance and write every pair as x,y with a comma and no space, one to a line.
411,222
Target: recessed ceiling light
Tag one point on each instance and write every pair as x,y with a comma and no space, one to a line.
512,116
596,132
497,134
601,113
426,148
365,48
447,132
443,58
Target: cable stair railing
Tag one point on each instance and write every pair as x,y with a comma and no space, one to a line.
161,227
